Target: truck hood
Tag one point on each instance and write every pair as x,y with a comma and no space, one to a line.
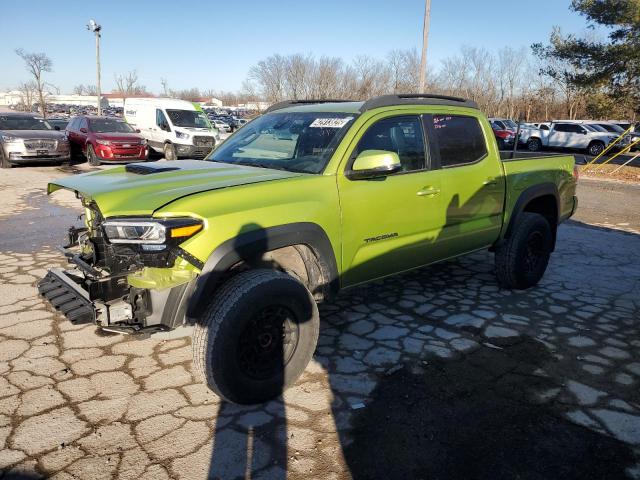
142,188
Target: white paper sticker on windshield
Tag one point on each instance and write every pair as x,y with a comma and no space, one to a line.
330,122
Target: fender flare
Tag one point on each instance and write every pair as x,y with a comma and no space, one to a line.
529,194
254,243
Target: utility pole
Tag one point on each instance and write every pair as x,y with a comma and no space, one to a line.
95,28
425,42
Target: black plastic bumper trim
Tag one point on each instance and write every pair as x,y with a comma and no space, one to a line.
67,297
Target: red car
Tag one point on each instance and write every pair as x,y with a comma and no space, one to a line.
105,139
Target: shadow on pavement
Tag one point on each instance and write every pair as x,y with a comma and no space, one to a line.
477,418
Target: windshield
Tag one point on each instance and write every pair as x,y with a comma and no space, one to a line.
109,125
188,118
510,124
297,142
20,122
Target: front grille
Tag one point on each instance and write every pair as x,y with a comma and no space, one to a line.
200,153
41,144
204,142
125,144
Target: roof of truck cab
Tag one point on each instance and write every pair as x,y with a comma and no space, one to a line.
336,107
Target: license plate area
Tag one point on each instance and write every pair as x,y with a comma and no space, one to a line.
42,152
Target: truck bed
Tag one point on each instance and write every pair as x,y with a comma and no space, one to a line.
530,169
507,156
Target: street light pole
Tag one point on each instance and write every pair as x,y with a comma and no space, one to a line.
95,28
425,41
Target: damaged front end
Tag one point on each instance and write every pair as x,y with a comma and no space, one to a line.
129,274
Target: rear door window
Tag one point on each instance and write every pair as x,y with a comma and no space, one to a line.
456,139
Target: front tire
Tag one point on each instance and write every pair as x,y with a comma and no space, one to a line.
523,258
92,158
534,145
4,161
256,337
595,148
169,152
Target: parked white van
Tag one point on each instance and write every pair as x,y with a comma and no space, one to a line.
176,128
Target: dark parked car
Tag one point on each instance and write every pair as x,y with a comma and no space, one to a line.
106,139
58,123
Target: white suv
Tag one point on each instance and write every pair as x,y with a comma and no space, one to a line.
570,135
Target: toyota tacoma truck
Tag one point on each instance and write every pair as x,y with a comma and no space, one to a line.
310,198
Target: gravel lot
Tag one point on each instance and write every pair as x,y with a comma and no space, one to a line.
435,374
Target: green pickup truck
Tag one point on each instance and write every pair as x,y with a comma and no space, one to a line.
310,198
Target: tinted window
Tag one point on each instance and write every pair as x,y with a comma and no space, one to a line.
23,122
83,123
459,139
567,127
161,120
544,127
107,125
402,135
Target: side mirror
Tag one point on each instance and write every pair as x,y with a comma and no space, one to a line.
137,130
83,130
374,164
57,127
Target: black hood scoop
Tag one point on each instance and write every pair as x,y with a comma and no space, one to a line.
148,169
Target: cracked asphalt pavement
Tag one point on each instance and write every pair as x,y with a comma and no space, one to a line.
436,373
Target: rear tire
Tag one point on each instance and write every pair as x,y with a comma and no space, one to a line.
534,145
4,161
256,337
523,257
169,152
92,158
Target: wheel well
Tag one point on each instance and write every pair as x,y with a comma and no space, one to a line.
299,261
595,141
545,205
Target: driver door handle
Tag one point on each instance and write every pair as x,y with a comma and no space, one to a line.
490,181
428,191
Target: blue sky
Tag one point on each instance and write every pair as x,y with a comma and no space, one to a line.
212,44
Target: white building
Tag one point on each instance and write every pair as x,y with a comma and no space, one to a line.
14,97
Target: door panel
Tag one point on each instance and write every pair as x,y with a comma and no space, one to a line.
389,222
473,184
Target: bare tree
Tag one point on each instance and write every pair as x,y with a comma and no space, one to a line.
404,71
511,67
127,85
37,64
165,87
28,92
270,75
